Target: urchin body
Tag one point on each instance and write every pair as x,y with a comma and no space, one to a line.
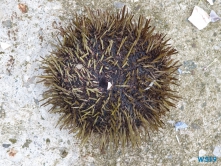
110,77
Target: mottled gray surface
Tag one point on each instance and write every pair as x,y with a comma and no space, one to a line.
30,130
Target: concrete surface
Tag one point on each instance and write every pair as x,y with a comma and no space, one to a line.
28,133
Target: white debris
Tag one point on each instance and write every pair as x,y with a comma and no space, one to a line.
79,66
180,125
199,18
210,2
179,71
150,85
202,152
25,77
214,17
217,151
171,121
5,45
177,138
109,85
28,58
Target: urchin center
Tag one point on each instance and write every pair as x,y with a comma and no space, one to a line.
103,83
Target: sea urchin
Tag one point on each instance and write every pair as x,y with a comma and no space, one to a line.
110,77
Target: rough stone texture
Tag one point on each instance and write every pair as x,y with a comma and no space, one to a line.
30,129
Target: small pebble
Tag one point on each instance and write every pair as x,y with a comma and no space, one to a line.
15,156
12,140
26,144
48,141
63,153
7,23
6,145
189,65
23,8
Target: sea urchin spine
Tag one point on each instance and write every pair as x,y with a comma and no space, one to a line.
111,78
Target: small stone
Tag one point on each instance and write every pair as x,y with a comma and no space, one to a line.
6,145
7,23
12,152
189,65
23,8
15,156
63,153
12,140
26,144
48,141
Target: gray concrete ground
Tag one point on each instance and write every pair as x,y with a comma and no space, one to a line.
28,133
